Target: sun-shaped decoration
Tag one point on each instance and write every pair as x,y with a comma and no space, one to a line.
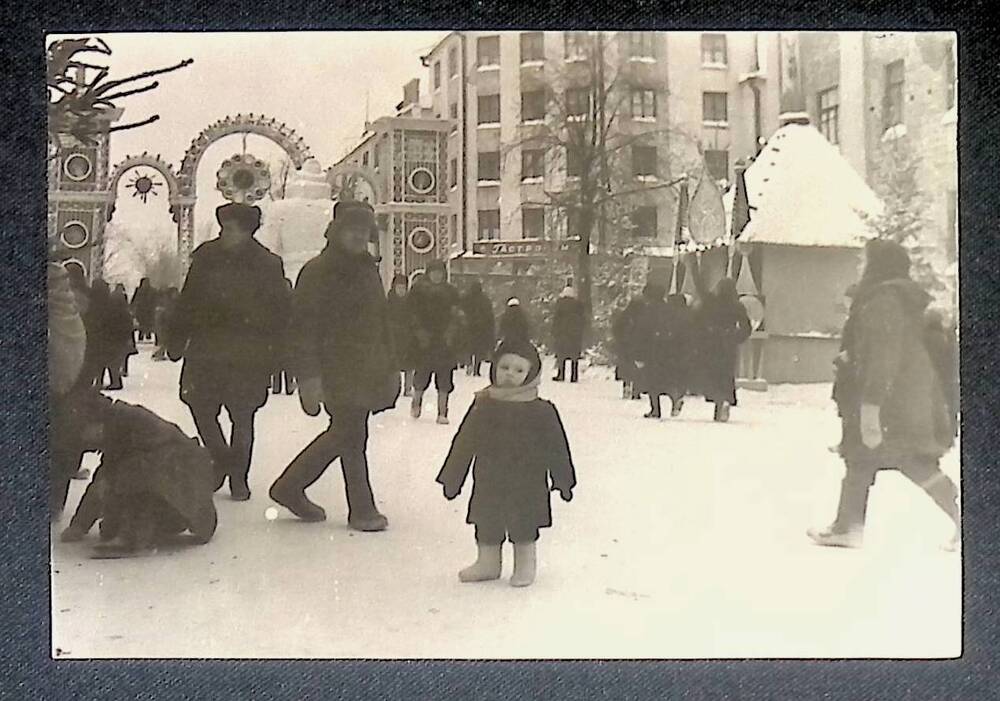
243,178
143,185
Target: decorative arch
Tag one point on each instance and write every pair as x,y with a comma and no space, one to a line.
343,178
147,161
259,124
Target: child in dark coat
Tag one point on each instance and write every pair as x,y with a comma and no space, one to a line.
517,442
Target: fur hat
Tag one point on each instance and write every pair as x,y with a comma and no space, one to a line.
351,213
436,265
522,349
885,260
244,215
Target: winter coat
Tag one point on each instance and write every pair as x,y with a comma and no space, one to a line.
340,331
722,326
623,337
146,456
67,335
435,332
480,322
567,328
514,449
230,314
514,326
109,327
661,341
892,368
144,305
400,328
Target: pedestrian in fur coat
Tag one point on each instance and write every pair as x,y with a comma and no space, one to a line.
518,451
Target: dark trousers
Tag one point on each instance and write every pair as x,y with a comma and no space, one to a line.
282,379
232,457
574,371
495,534
346,438
444,378
862,467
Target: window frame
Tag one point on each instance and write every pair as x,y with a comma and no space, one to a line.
642,93
572,43
641,46
709,52
479,224
577,116
479,166
638,221
537,157
453,62
494,61
533,211
647,160
453,174
829,113
540,117
893,94
479,108
436,76
706,118
540,36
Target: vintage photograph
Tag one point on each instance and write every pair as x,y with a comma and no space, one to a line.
504,345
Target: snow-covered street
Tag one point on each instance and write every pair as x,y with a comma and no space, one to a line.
685,539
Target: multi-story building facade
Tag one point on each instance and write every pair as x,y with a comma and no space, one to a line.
695,95
866,91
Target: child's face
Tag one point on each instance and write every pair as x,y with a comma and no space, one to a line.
512,370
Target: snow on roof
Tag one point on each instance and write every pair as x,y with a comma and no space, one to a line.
805,193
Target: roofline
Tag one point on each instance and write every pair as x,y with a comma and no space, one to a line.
449,35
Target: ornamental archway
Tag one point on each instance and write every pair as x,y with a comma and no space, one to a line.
261,125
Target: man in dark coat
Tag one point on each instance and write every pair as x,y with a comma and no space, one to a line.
226,324
568,324
401,329
652,348
624,329
894,407
434,306
345,358
723,326
144,308
481,326
514,325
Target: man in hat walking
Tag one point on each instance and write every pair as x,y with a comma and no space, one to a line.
435,307
227,325
342,345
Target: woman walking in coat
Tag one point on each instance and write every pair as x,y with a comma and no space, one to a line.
481,326
896,407
660,331
436,331
568,322
723,327
518,451
514,324
144,308
400,326
340,328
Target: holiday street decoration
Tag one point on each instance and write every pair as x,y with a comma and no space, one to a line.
143,186
243,178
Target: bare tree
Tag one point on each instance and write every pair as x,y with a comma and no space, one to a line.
280,173
606,147
130,256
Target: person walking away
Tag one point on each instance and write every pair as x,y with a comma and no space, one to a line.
632,373
121,299
899,407
514,324
568,322
724,326
651,348
400,327
482,326
433,305
344,359
283,379
121,341
521,453
226,324
679,347
144,308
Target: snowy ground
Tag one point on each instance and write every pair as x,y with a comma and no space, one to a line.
685,540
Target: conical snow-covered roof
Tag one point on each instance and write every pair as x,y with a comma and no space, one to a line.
805,193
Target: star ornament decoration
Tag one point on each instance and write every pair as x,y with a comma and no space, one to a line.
143,185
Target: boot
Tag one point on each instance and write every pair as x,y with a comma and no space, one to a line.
654,407
416,405
574,371
295,500
721,412
442,417
239,489
362,514
560,371
524,565
831,537
486,567
676,405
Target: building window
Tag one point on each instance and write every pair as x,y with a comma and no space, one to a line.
532,163
643,160
437,75
949,78
489,109
375,157
643,104
715,107
574,162
453,62
532,46
576,45
532,105
577,102
713,50
533,223
489,224
644,220
828,106
641,44
892,101
717,163
489,165
453,173
364,159
454,229
488,51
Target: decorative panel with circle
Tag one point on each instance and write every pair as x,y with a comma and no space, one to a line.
78,167
74,234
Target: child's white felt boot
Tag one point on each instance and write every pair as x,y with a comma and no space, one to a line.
524,565
486,566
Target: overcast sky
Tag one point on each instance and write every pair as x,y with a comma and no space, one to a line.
315,82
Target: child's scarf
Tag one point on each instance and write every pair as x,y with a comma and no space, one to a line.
524,393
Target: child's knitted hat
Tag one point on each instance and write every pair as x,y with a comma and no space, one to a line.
522,349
